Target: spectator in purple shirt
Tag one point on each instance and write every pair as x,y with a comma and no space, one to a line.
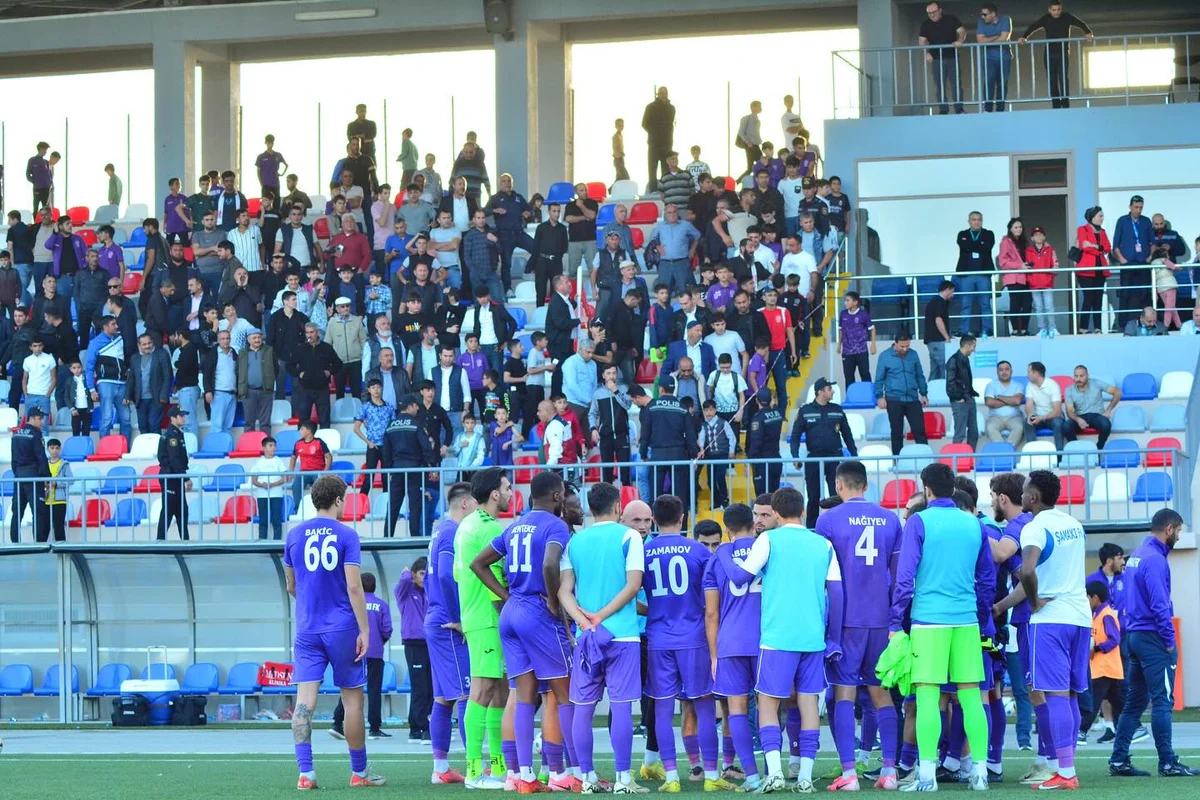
379,622
721,293
38,173
474,363
70,255
412,604
112,257
857,327
175,213
268,163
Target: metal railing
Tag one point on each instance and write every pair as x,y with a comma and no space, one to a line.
991,76
119,510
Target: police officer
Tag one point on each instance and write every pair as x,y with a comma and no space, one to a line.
173,460
826,427
670,431
405,444
29,461
765,428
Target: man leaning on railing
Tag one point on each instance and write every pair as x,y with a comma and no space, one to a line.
1057,24
945,30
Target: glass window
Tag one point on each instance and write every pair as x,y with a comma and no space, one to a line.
236,586
1133,68
1150,167
1181,207
918,236
933,176
147,588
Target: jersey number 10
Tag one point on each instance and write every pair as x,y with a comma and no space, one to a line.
677,577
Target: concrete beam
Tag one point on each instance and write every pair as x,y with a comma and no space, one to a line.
220,98
174,117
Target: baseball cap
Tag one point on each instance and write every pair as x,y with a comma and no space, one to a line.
625,264
823,383
807,183
36,411
1031,233
667,383
764,395
342,301
177,411
407,400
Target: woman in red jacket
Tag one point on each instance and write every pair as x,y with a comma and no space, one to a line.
1042,261
1094,246
1012,275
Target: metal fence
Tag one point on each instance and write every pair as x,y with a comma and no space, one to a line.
1104,70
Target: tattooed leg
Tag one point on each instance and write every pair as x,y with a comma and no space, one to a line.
306,701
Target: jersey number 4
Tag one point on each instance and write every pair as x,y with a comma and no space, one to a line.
865,546
677,577
321,553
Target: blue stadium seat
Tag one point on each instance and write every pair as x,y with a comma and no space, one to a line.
137,237
345,409
1153,487
226,478
527,341
914,457
119,480
996,457
1129,419
289,505
1120,454
519,316
216,445
890,289
860,394
242,680
78,448
200,678
538,320
285,442
389,677
130,512
880,430
50,683
109,679
606,214
1168,418
1079,454
927,286
344,468
159,672
937,393
560,192
16,680
7,485
1139,386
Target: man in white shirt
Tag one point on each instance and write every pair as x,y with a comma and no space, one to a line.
442,378
790,122
1192,326
797,262
353,195
444,240
1043,404
697,167
247,242
39,377
792,189
1004,398
195,302
726,342
556,432
268,484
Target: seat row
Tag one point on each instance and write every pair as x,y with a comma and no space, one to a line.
1108,488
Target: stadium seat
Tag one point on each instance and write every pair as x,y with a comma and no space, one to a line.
538,320
148,483
203,506
1139,386
880,429
16,680
1037,455
242,680
389,678
858,426
159,672
639,238
345,470
215,445
94,513
560,192
1162,459
996,457
526,468
119,480
937,393
605,215
1176,386
105,214
285,442
1153,487
525,292
896,493
109,679
200,678
860,394
7,484
379,507
980,386
647,372
88,236
515,507
935,426
1120,454
1110,487
592,474
321,227
913,458
358,506
332,438
131,512
145,447
6,450
877,458
137,237
1129,419
1079,455
644,213
1168,417
254,206
1074,490
190,443
226,478
51,684
959,457
519,316
345,409
132,283
628,495
249,445
624,190
9,419
596,190
110,448
280,411
239,509
136,212
811,394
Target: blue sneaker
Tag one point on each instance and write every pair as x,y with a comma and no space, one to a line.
1053,333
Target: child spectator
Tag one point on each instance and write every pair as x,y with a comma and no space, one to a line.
857,328
515,376
474,363
504,436
757,369
268,480
73,393
1107,672
494,398
379,627
563,409
796,305
57,490
1042,261
377,296
538,368
468,448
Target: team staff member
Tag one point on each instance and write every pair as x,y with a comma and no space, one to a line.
173,460
29,461
405,444
823,423
670,431
765,427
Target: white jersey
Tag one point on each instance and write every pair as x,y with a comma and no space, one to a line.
1061,568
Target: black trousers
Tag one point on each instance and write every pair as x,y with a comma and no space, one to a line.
374,691
812,483
680,475
897,412
1091,301
544,273
420,702
399,485
41,197
58,522
656,163
1134,294
858,362
766,477
14,393
615,449
534,395
718,486
85,315
349,376
1058,71
81,423
174,507
305,399
1110,689
31,495
373,460
1020,302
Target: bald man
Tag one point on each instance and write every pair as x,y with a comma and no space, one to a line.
637,516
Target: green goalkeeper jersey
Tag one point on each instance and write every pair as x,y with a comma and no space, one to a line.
476,532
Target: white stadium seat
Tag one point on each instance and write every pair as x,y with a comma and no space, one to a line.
1175,386
145,446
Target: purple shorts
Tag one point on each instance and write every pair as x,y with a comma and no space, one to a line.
533,641
621,674
781,672
449,662
1023,650
735,676
861,648
684,673
1059,655
313,652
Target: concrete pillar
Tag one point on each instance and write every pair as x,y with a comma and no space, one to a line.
220,92
878,27
174,117
553,85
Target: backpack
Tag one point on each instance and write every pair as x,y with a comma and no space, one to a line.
188,709
650,254
130,711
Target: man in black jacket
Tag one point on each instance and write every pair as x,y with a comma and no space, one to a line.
91,290
406,445
689,311
1057,24
173,460
16,339
747,323
312,366
824,426
149,396
388,374
608,420
669,434
658,121
628,325
961,391
562,321
29,461
187,376
285,336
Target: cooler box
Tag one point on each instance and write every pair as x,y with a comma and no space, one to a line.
159,692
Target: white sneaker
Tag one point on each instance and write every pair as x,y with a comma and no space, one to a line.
803,787
487,782
772,783
979,783
632,788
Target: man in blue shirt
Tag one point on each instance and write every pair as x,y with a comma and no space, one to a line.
994,28
1131,243
1149,636
677,241
900,390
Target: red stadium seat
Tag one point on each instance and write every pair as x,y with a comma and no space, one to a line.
730,184
592,474
357,507
149,484
54,215
515,507
647,371
897,492
1074,491
254,206
643,213
639,238
110,448
1064,382
361,477
959,457
321,227
1162,459
94,513
133,282
79,215
188,254
935,426
400,196
530,468
628,495
241,509
249,445
88,235
597,191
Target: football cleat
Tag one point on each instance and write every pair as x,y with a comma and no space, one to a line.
843,784
305,782
449,776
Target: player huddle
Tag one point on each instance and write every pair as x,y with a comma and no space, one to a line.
536,612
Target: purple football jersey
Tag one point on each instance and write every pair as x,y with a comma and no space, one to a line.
673,582
523,547
1012,530
866,539
318,551
442,605
741,607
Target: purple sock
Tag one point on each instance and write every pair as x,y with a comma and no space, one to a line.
768,736
462,722
664,726
358,760
691,746
870,728
544,761
843,727
727,751
1045,747
958,734
885,719
621,734
508,749
581,729
523,732
304,756
908,754
706,721
1062,729
793,731
566,721
553,753
739,730
810,740
999,722
831,703
439,730
1075,719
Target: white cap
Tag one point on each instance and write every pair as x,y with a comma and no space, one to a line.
342,301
